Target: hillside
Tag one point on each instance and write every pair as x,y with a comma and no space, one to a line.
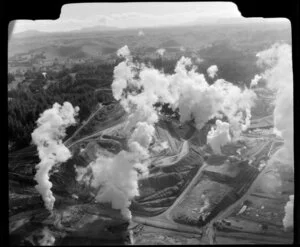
142,147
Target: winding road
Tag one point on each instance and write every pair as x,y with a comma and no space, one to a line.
82,126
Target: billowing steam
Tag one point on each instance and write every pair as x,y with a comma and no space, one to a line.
186,90
123,52
160,147
212,71
279,77
255,81
48,239
219,136
116,176
161,51
116,180
138,88
288,220
122,74
48,137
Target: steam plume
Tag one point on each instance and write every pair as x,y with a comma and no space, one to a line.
212,71
138,88
186,90
206,203
117,176
122,74
48,138
255,81
116,180
279,76
161,51
160,147
288,220
219,136
123,52
48,239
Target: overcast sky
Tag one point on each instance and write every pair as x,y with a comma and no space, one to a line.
127,15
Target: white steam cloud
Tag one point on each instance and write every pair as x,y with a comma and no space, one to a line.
138,88
219,136
255,81
122,74
206,204
212,71
186,90
288,220
161,51
279,77
123,52
160,146
116,176
48,239
48,138
117,180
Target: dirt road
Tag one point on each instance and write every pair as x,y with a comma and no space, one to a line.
82,126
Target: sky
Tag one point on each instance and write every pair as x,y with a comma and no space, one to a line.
130,15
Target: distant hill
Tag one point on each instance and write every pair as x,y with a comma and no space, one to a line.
239,21
98,28
31,33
